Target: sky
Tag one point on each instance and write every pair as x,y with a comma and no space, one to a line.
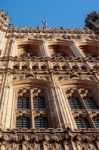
57,13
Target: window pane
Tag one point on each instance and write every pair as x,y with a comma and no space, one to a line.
39,102
82,122
20,102
23,103
26,122
74,103
26,103
41,122
90,103
96,121
23,122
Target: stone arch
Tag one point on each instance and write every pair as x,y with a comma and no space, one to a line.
60,48
84,94
34,86
28,48
90,48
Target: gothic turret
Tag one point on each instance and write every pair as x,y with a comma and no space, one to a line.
4,20
92,21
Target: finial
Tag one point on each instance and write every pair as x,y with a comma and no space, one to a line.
44,24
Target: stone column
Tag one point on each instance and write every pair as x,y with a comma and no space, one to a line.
13,51
64,114
56,102
77,51
4,106
45,49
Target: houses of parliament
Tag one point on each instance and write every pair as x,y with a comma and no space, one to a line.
49,87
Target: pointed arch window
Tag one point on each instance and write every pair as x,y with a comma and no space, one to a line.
96,121
82,122
39,102
23,102
90,103
74,103
23,122
41,122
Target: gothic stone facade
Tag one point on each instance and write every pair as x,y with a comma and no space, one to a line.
49,80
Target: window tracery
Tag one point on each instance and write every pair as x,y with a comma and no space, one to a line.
74,103
31,100
82,122
23,102
23,122
39,102
41,122
96,121
90,103
83,102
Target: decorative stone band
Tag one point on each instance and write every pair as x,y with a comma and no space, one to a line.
49,136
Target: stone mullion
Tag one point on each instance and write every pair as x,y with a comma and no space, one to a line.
21,65
87,111
77,110
31,108
9,108
56,102
30,64
3,87
5,105
77,49
45,49
14,108
70,121
62,105
67,114
42,51
49,104
3,99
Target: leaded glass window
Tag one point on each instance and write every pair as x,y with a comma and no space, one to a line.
39,102
23,122
90,103
41,122
23,102
96,121
82,122
74,103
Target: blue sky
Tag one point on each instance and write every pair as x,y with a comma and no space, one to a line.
66,13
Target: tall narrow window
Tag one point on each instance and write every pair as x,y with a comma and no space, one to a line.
39,102
96,121
41,122
90,103
20,103
74,103
23,102
82,122
23,122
